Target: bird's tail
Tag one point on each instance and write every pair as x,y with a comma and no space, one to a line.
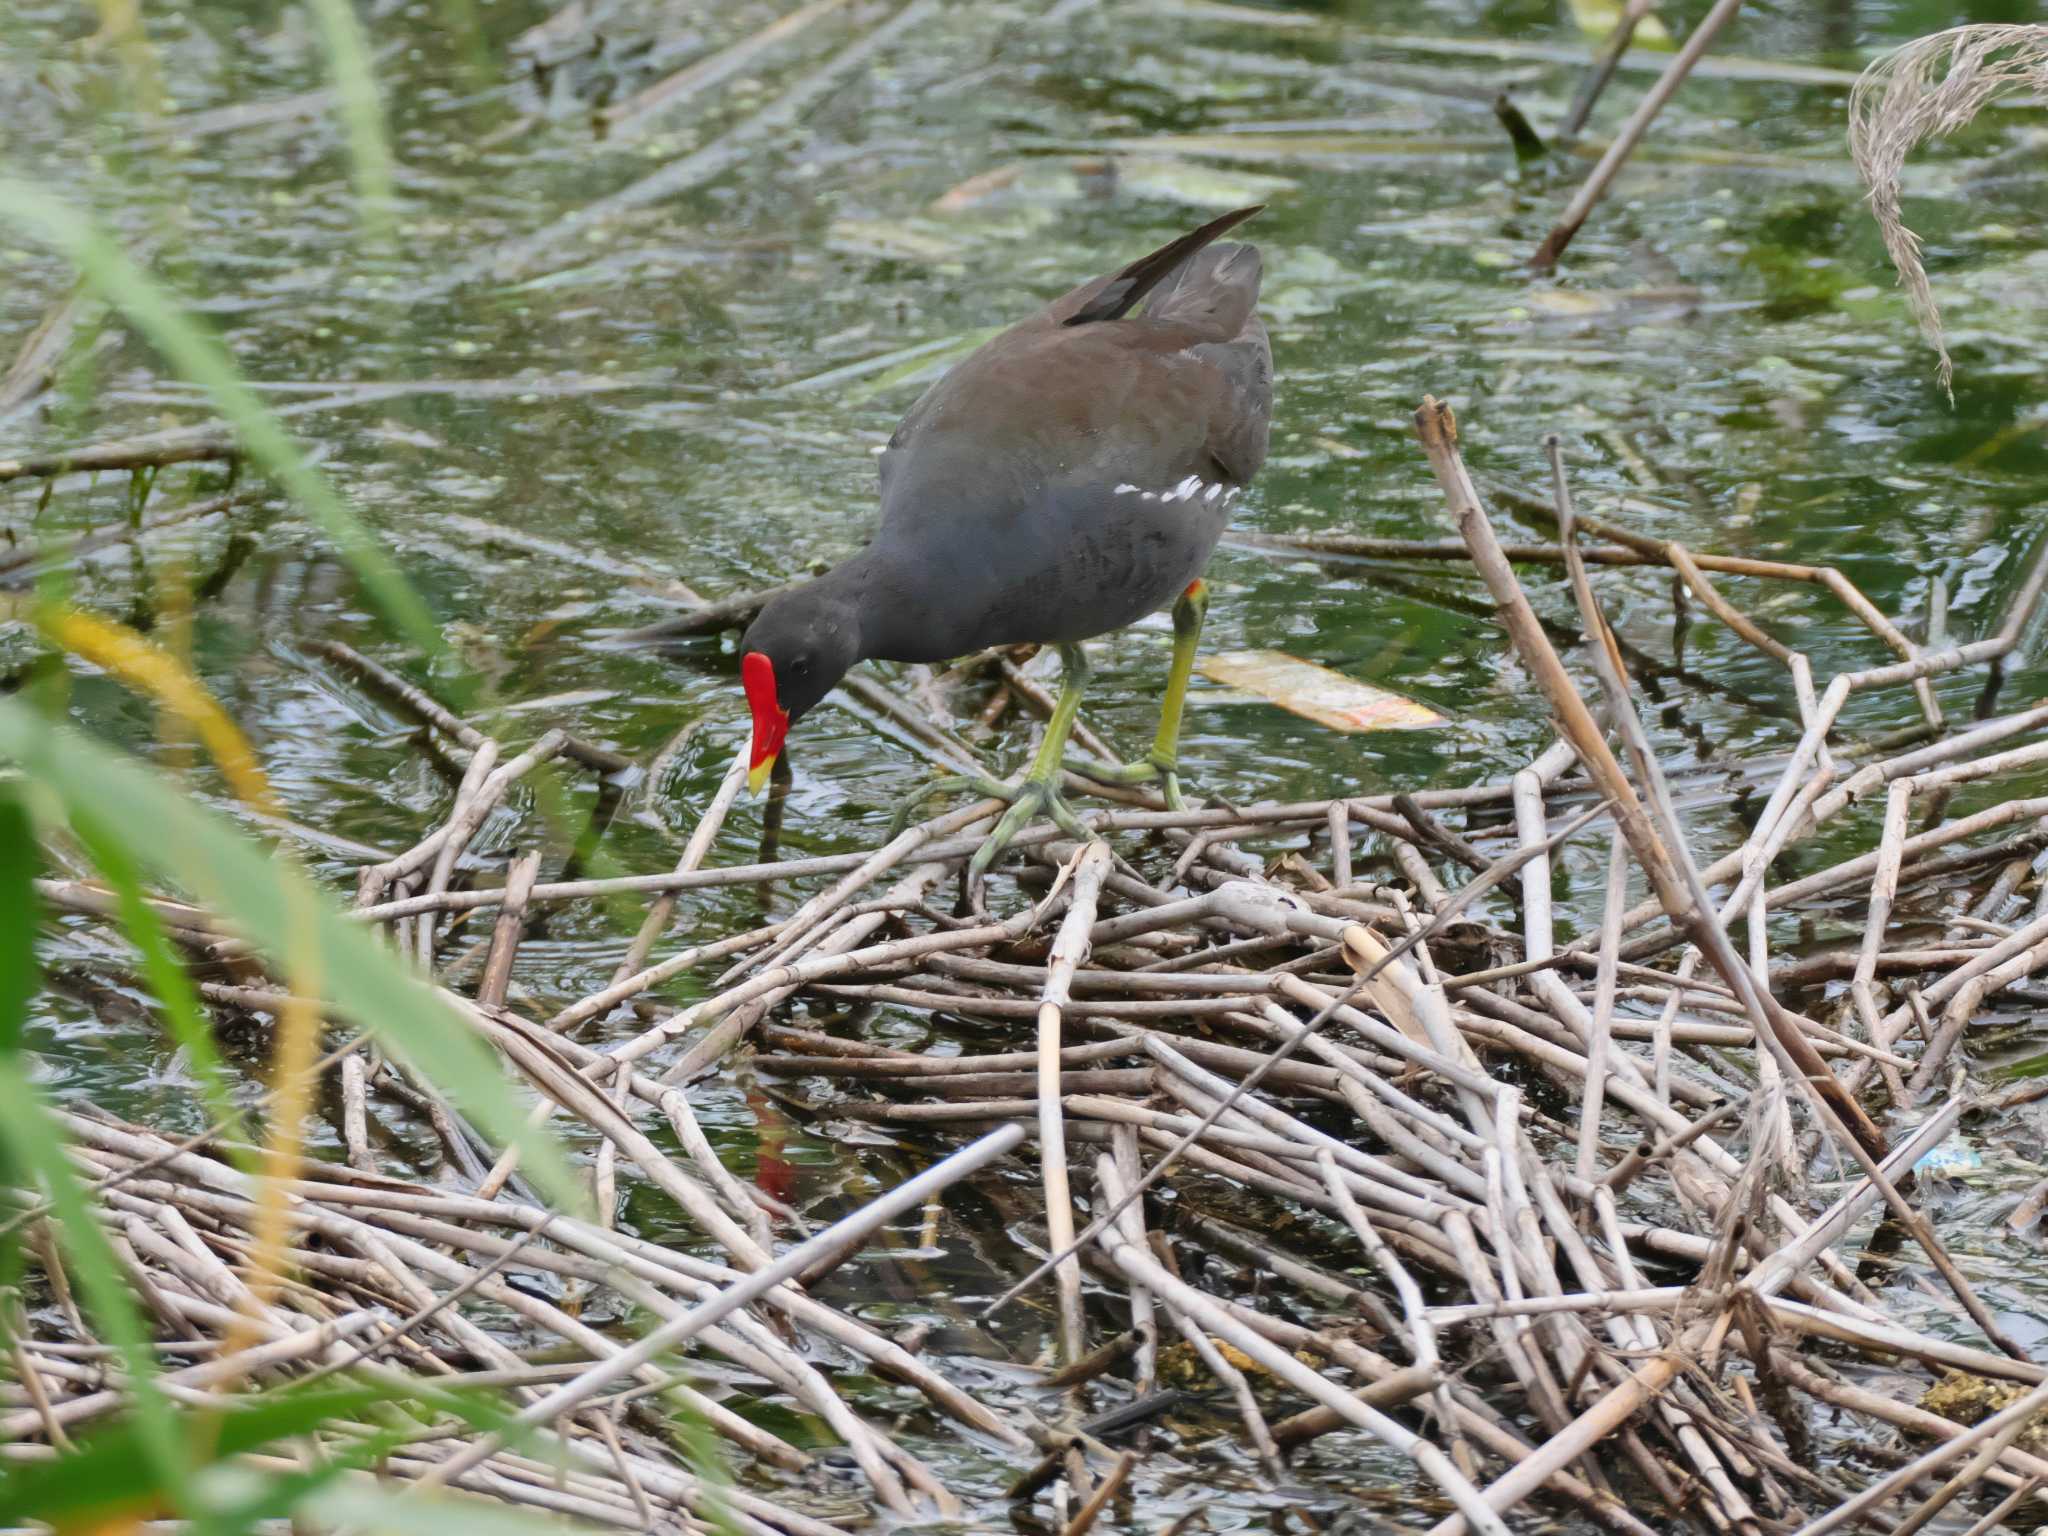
1214,291
1113,297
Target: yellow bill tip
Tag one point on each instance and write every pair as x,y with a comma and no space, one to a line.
757,776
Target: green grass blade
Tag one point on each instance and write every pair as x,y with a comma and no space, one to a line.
290,1495
20,915
106,1473
362,111
197,354
106,1481
361,1505
32,1137
163,971
36,1149
181,843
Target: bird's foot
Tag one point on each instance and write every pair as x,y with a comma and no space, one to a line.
1155,767
1028,798
952,784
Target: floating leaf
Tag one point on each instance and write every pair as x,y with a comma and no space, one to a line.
1597,18
1316,693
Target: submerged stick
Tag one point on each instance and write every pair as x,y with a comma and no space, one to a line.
180,446
1602,70
1631,134
1219,1320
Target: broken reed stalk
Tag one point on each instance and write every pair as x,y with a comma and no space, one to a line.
1836,1107
1382,958
1602,69
180,446
714,68
906,1196
1609,166
1437,430
1069,950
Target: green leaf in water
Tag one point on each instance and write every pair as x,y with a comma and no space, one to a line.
109,1471
403,1512
108,1477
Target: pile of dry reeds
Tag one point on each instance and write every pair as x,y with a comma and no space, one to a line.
1532,1214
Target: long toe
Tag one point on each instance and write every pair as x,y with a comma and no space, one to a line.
1030,799
1093,768
1169,786
1021,810
952,784
1149,769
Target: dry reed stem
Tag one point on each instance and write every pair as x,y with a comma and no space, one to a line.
733,147
462,1237
1603,1007
904,1197
714,68
1602,69
1836,1108
1069,951
177,446
1437,429
1220,1320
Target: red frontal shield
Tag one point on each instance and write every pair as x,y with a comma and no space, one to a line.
771,720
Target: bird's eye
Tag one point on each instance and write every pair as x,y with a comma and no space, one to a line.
801,667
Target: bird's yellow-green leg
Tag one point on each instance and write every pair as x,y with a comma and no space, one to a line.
1037,791
1162,763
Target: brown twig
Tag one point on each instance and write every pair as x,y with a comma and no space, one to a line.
1631,134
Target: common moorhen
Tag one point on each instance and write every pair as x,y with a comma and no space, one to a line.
1065,479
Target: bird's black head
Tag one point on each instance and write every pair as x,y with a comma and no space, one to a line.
792,655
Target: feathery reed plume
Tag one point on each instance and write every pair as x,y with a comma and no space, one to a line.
1926,90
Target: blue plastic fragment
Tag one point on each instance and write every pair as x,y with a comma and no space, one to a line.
1950,1159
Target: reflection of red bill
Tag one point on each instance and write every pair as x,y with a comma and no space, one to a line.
774,1174
1317,693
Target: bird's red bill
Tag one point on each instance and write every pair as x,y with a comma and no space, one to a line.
771,720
